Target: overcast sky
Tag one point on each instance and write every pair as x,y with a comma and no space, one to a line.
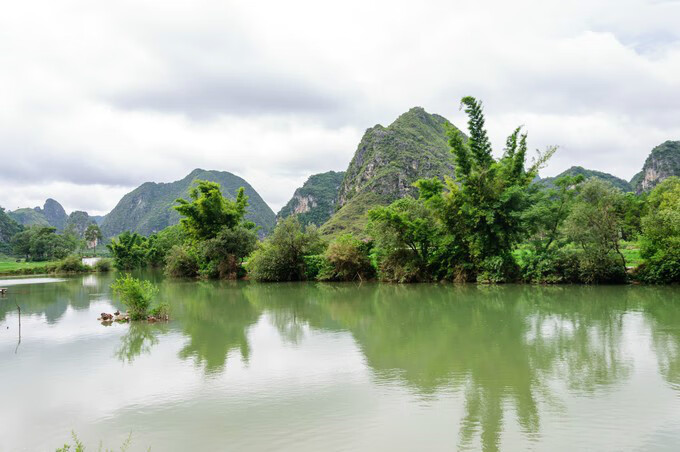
98,97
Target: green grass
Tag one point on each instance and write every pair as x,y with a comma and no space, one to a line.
9,265
631,251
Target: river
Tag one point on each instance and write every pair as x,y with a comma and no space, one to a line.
311,366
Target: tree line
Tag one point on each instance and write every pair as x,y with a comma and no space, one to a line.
490,222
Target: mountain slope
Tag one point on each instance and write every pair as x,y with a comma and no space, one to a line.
8,227
387,162
55,214
617,182
51,214
314,202
148,208
663,162
29,217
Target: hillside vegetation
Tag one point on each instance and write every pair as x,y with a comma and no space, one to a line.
315,201
149,208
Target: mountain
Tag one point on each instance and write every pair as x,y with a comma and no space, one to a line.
78,222
663,162
8,227
387,162
29,217
619,183
51,214
314,202
55,214
148,208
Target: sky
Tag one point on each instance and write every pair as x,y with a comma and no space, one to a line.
98,97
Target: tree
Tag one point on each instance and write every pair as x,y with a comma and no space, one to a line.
209,212
405,233
40,243
347,260
594,224
482,210
129,250
660,238
92,236
281,256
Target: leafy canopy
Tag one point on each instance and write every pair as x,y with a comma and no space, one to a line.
208,211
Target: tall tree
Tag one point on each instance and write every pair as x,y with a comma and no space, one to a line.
208,211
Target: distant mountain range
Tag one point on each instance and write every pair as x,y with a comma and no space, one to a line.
619,183
387,162
53,214
148,208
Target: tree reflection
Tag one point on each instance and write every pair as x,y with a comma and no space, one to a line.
215,317
139,339
499,346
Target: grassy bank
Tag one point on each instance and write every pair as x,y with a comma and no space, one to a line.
10,266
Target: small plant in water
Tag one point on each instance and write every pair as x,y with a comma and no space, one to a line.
137,296
78,445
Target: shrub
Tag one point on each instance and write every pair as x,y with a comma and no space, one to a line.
181,261
347,259
71,264
103,265
314,265
282,256
136,295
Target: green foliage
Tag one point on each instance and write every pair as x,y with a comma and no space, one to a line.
29,217
79,446
77,223
574,171
315,265
182,261
661,234
222,256
404,233
136,295
40,243
148,208
346,259
482,212
209,212
320,193
129,251
159,245
594,224
281,256
388,160
103,265
92,233
550,209
8,229
72,264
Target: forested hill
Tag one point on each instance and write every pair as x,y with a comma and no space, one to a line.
314,202
8,227
663,162
387,162
148,208
51,214
617,182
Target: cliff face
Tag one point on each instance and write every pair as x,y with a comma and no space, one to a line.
315,201
387,162
55,214
663,162
148,208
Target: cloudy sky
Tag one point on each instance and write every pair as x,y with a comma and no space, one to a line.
98,97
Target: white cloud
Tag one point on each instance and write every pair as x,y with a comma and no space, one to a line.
100,97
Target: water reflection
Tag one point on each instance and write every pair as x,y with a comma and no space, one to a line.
510,354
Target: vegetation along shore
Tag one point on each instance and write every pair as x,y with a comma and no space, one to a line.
421,201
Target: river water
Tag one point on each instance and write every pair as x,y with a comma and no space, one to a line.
310,367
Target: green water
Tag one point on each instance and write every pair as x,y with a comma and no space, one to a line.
324,367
